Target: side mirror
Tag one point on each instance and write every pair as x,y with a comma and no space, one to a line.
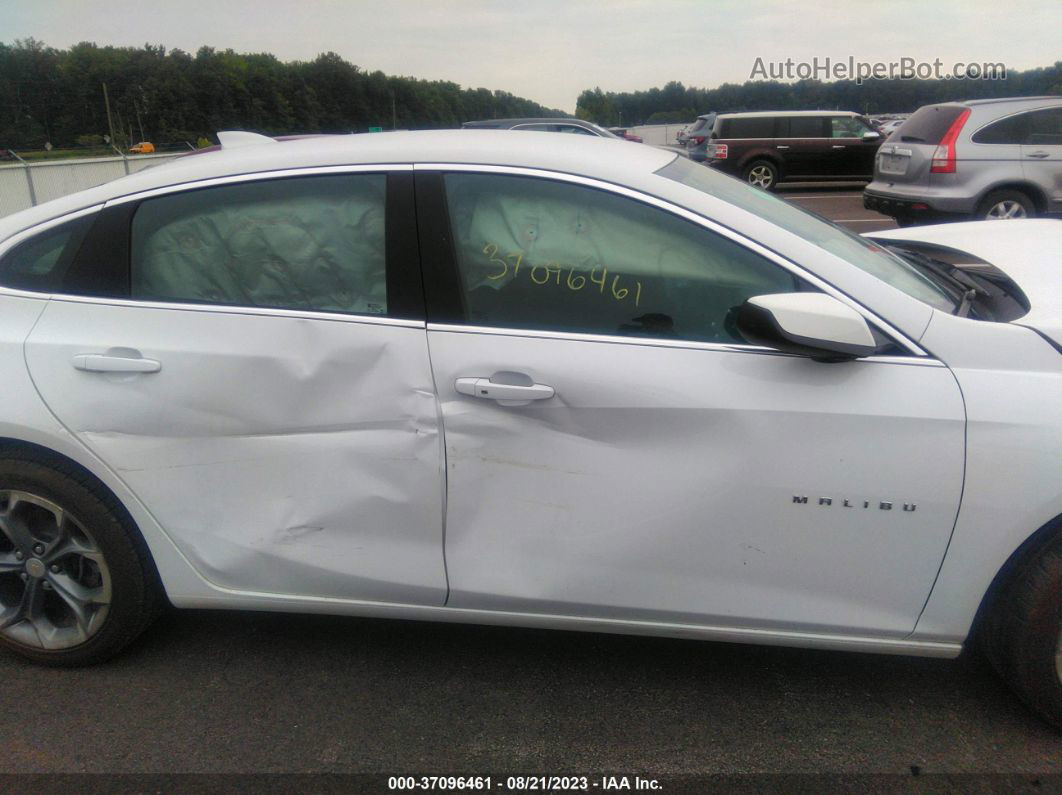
809,324
871,135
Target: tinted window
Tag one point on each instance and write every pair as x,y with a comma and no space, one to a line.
928,124
312,243
41,262
1045,128
804,127
1005,131
534,253
537,127
752,127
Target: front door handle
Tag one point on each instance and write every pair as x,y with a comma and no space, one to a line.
102,363
837,146
782,146
489,390
1038,154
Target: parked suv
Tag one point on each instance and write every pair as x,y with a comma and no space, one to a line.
766,148
986,159
697,135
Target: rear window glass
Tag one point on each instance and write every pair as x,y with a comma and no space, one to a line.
754,127
803,127
41,262
1004,131
928,124
699,125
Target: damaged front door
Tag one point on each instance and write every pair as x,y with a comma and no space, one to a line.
265,387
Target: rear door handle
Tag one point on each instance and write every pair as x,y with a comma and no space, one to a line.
101,363
838,146
782,146
1038,154
488,390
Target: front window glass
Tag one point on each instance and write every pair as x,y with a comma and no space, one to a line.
539,254
312,243
847,127
859,251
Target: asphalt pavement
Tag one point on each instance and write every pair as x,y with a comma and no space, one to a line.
839,201
272,693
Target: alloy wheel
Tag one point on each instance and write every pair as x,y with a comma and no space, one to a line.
1008,208
55,587
761,177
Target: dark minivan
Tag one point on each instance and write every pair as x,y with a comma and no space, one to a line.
769,147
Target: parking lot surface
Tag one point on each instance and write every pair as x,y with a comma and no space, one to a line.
839,201
232,692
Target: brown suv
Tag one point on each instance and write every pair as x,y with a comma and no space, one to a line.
769,147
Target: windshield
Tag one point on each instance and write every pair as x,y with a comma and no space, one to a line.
859,251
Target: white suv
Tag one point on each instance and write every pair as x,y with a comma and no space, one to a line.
472,376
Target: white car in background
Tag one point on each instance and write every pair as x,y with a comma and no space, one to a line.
472,376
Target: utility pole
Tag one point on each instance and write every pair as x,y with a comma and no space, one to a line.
110,124
139,124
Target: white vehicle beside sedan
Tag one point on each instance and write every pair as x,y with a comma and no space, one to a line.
470,376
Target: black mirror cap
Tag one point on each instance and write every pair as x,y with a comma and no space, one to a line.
759,327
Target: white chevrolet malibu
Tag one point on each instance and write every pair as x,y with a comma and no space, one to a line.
509,379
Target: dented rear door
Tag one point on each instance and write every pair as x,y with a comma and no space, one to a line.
264,386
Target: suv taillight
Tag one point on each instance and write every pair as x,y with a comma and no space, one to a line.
717,151
697,139
944,154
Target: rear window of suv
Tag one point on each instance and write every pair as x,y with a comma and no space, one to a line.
749,127
928,124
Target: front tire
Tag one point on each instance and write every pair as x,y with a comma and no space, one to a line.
761,174
1024,633
1004,205
76,582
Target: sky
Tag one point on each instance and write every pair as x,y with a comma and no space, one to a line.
551,50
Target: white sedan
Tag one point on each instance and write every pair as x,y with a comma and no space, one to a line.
465,376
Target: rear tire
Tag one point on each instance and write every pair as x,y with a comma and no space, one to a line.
1023,633
1005,205
761,174
77,584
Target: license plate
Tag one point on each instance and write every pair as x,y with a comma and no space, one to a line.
893,164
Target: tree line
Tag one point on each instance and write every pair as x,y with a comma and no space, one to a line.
56,96
676,102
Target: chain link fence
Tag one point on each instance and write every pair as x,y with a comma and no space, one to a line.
27,183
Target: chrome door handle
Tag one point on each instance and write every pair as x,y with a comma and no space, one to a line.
488,390
101,363
837,146
1038,154
782,146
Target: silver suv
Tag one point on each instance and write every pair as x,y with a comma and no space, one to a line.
987,158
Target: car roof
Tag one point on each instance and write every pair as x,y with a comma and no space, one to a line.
607,159
1001,100
761,113
529,120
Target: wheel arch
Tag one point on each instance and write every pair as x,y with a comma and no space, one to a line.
1030,189
1011,569
175,574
